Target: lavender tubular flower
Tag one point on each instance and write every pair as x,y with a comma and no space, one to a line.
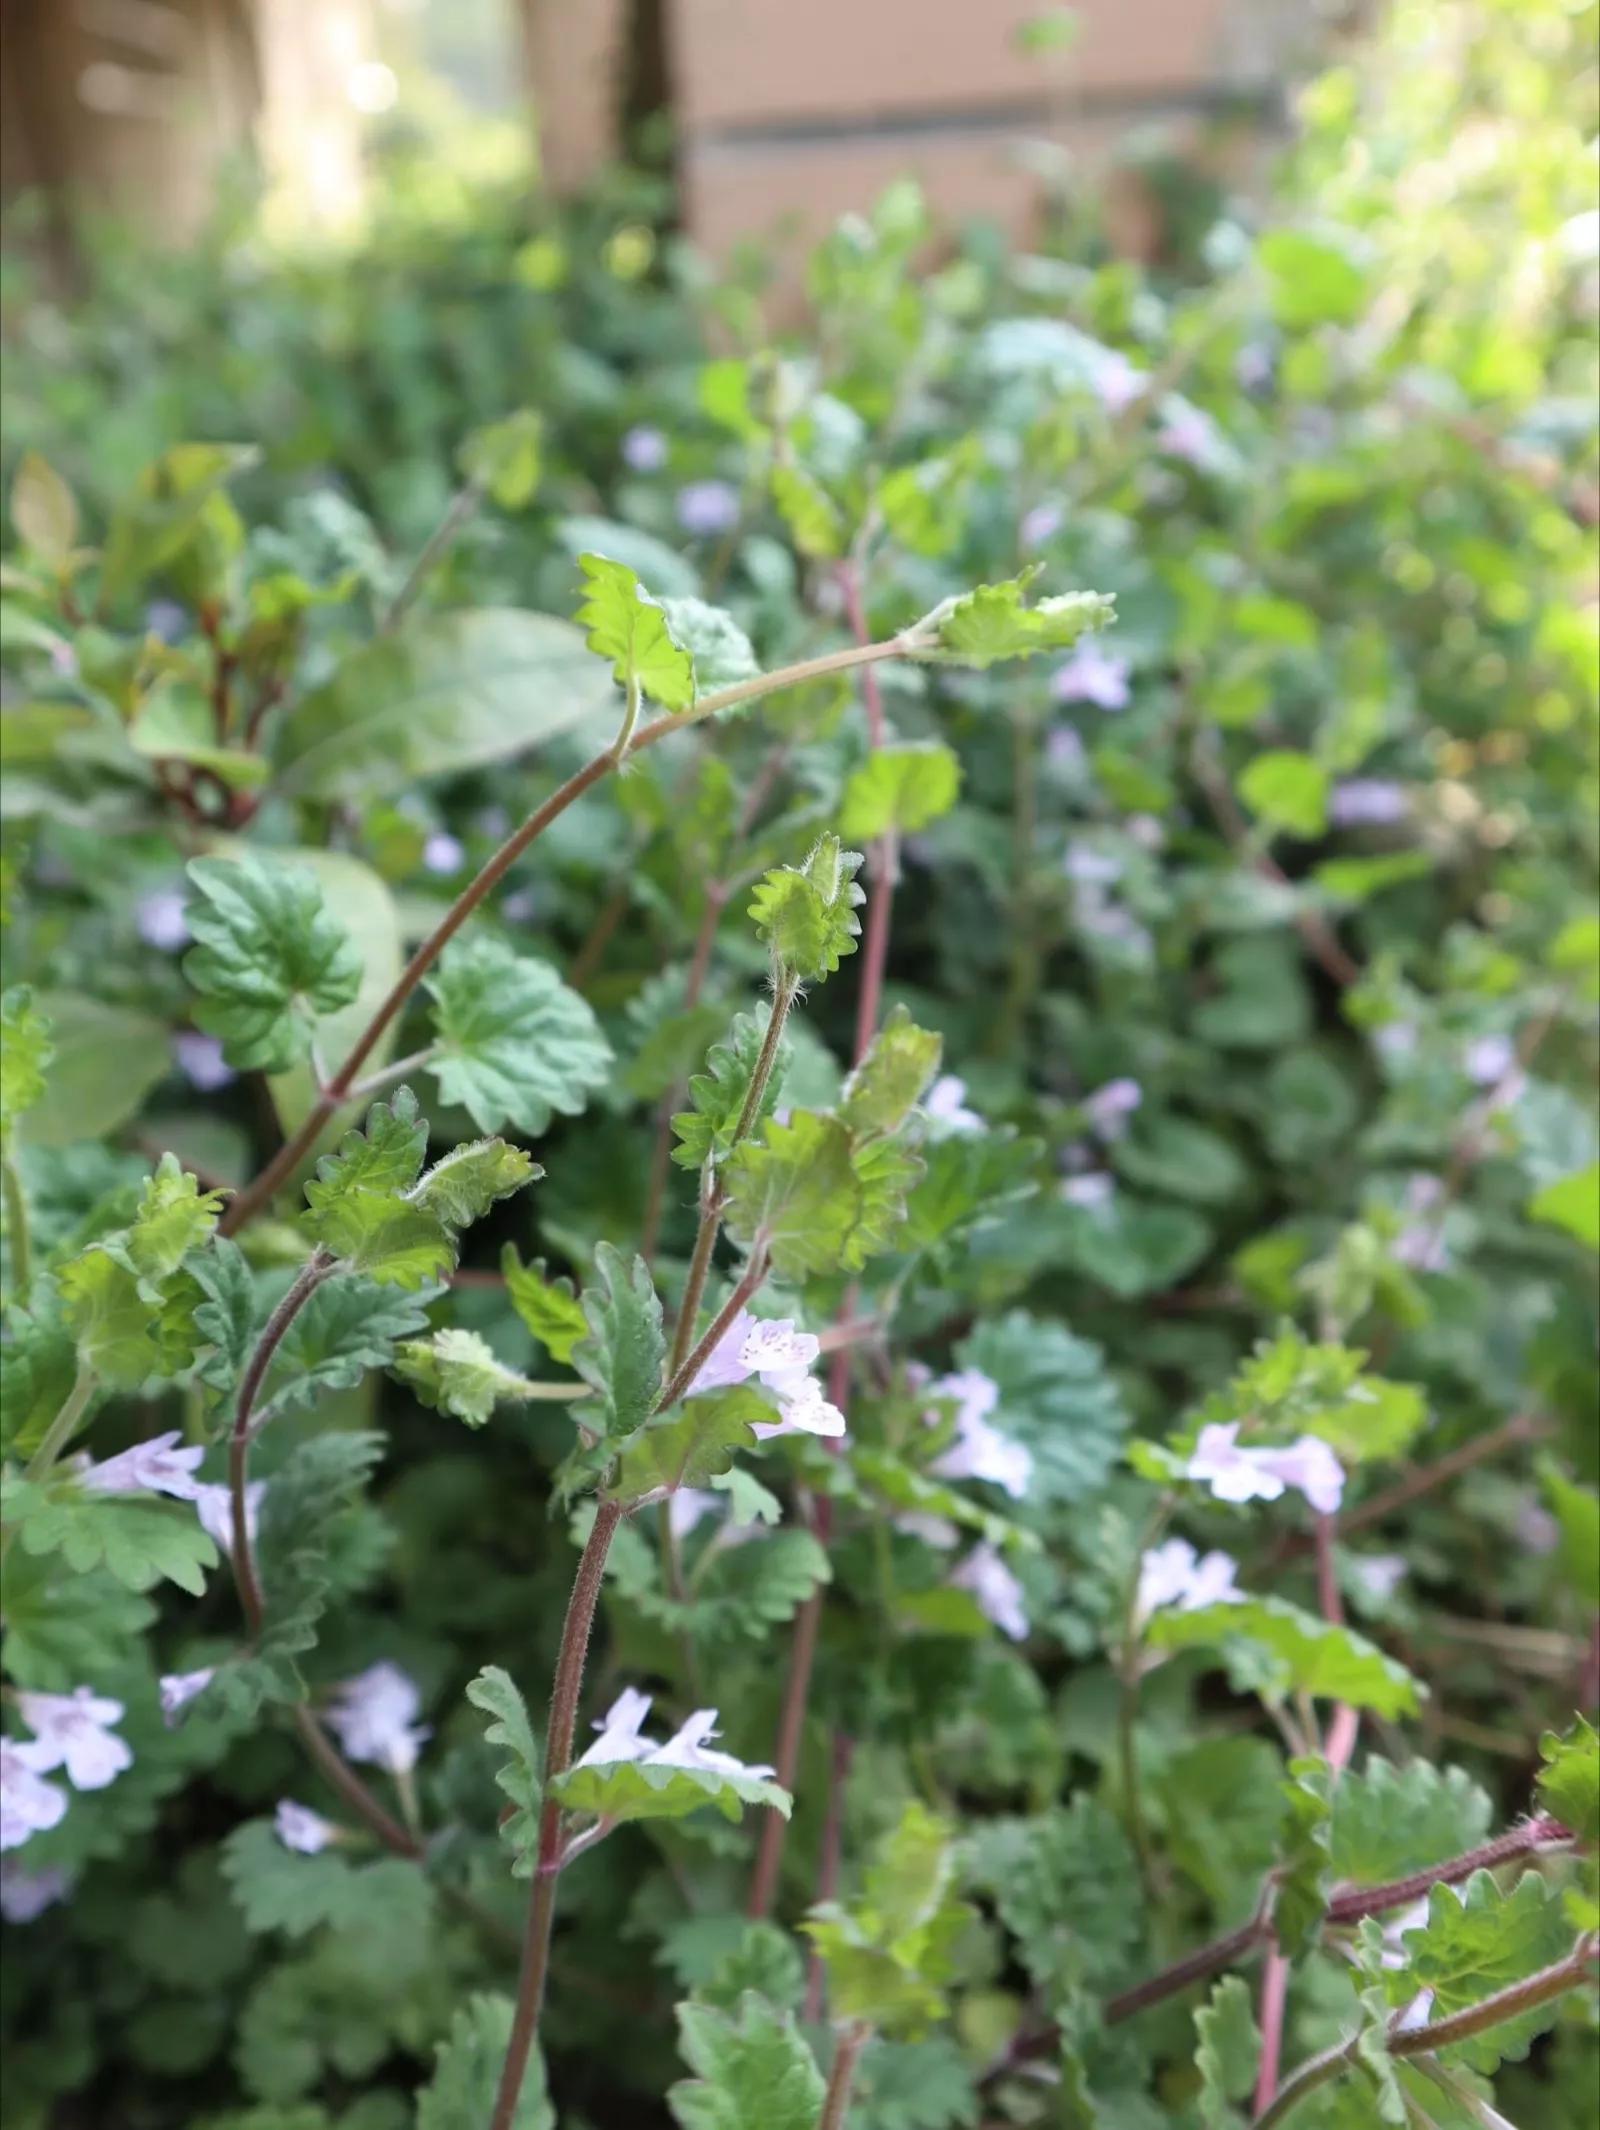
25,1894
987,1579
301,1829
28,1804
153,1467
373,1717
73,1731
179,1688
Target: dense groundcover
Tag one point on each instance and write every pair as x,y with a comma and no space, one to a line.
998,1179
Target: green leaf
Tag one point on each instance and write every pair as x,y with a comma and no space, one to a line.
890,1955
1059,1399
809,512
1388,1822
994,621
138,1542
1577,1512
1569,1782
691,1447
456,1372
1287,791
1290,1386
503,458
892,1078
1287,1650
106,1061
1305,1873
625,1351
514,1043
628,627
1477,1941
1312,280
1066,1886
902,788
43,510
227,1316
720,649
922,505
38,1362
1359,879
461,1187
26,1050
443,694
125,1297
348,1326
816,1199
384,1157
466,2076
705,1132
283,1889
645,1789
747,1590
1572,1202
807,913
1227,2051
750,2068
549,1307
1222,1802
269,959
494,1691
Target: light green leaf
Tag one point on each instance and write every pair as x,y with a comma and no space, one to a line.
751,2068
1287,791
456,1372
1577,1511
461,1187
807,913
43,510
902,788
1066,1886
384,1157
1569,1782
348,1326
816,1199
269,960
705,1131
645,1789
623,1356
494,1691
106,1061
892,1078
628,627
1288,1650
1387,1821
504,458
994,622
1227,2051
1359,879
139,1542
720,649
809,512
1290,1386
1312,280
26,1050
445,693
1572,1202
549,1307
890,1955
125,1298
515,1044
467,2065
1479,1940
922,505
691,1447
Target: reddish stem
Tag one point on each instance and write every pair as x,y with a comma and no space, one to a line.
1274,2000
844,1748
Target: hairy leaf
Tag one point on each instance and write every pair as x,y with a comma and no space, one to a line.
515,1045
269,959
456,1372
549,1307
623,1356
705,1131
807,913
903,788
1283,1649
646,1789
751,2066
892,1078
1227,2051
494,1691
467,2065
139,1542
26,1050
994,621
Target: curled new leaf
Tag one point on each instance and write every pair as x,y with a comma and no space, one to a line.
994,621
807,913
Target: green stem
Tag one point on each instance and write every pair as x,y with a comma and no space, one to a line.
248,1202
17,1228
463,507
846,2056
1510,2003
630,718
62,1428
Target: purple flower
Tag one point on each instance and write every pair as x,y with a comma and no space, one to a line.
1395,1040
998,1593
1422,1248
1064,750
1091,868
1253,366
63,659
1489,1058
494,822
1378,1575
214,1507
166,619
521,906
373,1715
1145,830
644,449
688,1508
1093,1191
179,1688
1117,381
945,1107
73,1731
201,1062
936,1531
706,508
26,1894
980,1450
1187,434
1092,675
1041,523
159,920
1536,1529
153,1467
1239,1475
1368,802
1174,1574
781,1357
298,1827
1109,1108
442,853
28,1804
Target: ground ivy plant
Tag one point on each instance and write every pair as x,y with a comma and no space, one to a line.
799,1234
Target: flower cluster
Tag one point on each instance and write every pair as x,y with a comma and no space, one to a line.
72,1732
374,1716
620,1740
1175,1575
980,1450
1236,1474
780,1358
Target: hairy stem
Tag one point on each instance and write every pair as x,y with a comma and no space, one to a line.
341,1777
1549,1982
312,1273
672,1100
248,1202
847,2054
557,1759
17,1237
749,1280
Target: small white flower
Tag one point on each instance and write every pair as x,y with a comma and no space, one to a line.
1117,381
1091,868
298,1827
1489,1059
944,1105
28,1804
1368,802
1378,1575
1239,1475
707,507
1415,2013
1174,1574
1395,1041
688,1508
644,449
937,1531
1187,434
160,922
199,1058
1041,523
1093,675
772,1350
153,1467
998,1593
1094,1190
980,1450
25,1894
687,1748
619,1732
442,853
179,1688
214,1507
1064,750
373,1716
1109,1108
73,1731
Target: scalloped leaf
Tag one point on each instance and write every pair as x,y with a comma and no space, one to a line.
645,1789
